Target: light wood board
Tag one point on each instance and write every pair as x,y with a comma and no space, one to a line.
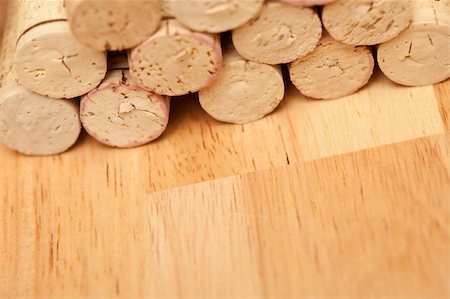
332,199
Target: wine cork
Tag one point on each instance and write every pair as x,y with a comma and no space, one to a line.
213,15
280,34
166,9
366,22
244,91
176,60
306,2
113,24
420,55
49,60
332,70
35,12
121,114
31,124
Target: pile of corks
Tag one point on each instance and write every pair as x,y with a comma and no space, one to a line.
112,66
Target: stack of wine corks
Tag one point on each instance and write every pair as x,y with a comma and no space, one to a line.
112,66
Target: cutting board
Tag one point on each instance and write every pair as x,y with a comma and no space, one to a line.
322,199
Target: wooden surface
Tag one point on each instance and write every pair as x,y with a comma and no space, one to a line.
333,199
2,16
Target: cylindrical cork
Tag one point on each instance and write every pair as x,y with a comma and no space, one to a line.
166,9
366,22
280,34
113,24
175,60
213,15
244,91
306,2
121,114
49,60
35,12
420,55
332,70
32,124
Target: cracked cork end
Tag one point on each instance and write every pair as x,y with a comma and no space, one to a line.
121,114
113,24
420,55
176,61
244,91
332,70
31,124
50,61
280,34
366,22
213,16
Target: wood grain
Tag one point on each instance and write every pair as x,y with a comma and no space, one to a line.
2,16
260,211
197,148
